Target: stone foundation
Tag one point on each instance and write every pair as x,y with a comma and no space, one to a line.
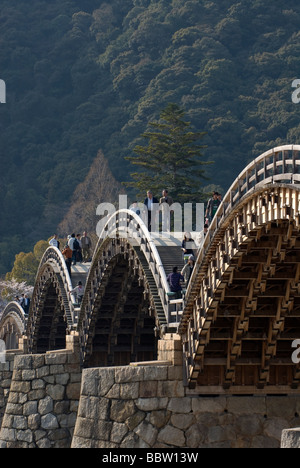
290,438
6,372
49,402
146,407
43,400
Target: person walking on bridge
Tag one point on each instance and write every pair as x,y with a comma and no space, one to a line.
152,205
174,279
54,242
166,214
72,244
212,206
26,305
68,254
86,244
187,246
79,291
188,269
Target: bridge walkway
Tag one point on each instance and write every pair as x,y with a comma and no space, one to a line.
169,250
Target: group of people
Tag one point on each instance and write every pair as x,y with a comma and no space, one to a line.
24,302
151,203
77,249
176,278
188,246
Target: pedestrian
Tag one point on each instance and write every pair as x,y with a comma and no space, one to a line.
79,291
202,236
187,246
86,245
73,244
166,198
68,254
174,279
135,208
22,300
152,206
166,214
79,249
54,242
26,305
212,206
188,269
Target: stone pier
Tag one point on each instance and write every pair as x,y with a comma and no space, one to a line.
49,401
42,403
146,406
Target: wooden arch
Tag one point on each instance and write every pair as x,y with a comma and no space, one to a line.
243,310
49,319
12,325
121,311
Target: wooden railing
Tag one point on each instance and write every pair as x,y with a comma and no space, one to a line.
126,223
15,308
278,165
54,257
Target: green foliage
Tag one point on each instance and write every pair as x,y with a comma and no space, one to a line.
88,75
172,159
26,264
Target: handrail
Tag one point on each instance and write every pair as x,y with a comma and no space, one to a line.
54,255
15,307
259,172
122,222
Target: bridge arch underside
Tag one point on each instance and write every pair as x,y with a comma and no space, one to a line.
247,315
11,330
120,326
47,325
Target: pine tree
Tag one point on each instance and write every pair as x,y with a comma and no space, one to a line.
172,160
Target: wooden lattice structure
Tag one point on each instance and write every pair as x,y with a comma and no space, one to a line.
242,311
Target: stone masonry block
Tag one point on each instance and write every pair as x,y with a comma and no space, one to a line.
129,391
97,382
155,373
290,438
129,374
148,389
55,358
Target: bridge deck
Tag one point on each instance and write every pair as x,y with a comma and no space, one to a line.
80,272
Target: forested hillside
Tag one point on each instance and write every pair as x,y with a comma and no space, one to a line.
88,75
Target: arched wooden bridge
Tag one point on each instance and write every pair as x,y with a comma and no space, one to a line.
241,310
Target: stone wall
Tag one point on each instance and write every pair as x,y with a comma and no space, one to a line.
43,400
145,407
6,372
50,402
290,438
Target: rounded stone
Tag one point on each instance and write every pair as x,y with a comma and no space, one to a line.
49,421
45,405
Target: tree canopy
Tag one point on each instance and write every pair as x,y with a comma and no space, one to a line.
171,159
85,76
26,264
